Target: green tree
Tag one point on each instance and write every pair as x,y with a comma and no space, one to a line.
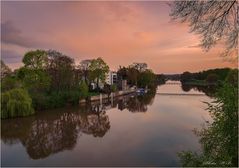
147,79
35,59
132,76
219,139
16,103
139,66
34,79
33,74
84,67
98,70
61,71
10,82
51,78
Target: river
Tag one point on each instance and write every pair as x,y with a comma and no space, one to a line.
135,130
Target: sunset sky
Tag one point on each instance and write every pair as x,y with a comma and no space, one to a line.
119,32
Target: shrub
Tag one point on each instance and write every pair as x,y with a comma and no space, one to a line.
219,139
84,90
16,103
113,88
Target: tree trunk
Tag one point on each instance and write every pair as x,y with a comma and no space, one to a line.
97,84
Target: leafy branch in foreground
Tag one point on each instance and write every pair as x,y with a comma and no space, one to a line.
219,139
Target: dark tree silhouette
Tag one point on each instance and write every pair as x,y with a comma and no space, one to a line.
186,76
5,70
84,66
214,20
212,78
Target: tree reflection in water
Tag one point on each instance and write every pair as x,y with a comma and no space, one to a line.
208,90
140,103
53,131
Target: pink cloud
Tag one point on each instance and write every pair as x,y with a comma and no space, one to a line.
120,32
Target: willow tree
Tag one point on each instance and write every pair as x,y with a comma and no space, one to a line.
16,103
214,21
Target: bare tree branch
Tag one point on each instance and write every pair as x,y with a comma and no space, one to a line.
213,20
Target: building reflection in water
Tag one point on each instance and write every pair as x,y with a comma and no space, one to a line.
52,131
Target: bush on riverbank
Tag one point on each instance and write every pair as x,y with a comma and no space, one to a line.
219,139
16,103
43,101
84,90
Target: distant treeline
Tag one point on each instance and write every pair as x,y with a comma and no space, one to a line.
210,76
162,78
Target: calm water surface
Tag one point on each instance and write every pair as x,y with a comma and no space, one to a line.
135,130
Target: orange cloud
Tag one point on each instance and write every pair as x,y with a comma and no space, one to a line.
120,32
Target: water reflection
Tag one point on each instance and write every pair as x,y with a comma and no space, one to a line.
137,103
53,131
208,90
50,133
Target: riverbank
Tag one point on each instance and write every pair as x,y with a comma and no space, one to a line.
106,96
76,129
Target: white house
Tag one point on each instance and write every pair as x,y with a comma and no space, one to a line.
111,78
